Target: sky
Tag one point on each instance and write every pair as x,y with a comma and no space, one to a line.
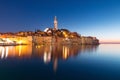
99,18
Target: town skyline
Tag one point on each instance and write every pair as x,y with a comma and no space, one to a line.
98,18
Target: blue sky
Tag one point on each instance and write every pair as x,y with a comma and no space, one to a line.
100,18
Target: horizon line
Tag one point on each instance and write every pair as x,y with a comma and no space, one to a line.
109,42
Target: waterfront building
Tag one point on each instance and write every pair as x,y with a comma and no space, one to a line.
49,36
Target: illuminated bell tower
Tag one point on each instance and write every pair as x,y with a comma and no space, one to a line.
55,23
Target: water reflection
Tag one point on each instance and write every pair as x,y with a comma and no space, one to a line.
15,51
48,53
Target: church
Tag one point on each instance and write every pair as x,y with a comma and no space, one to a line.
50,30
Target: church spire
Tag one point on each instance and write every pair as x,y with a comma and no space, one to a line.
55,23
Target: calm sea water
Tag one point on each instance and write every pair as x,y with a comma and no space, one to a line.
57,62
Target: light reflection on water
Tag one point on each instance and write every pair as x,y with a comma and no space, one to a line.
60,62
15,51
45,52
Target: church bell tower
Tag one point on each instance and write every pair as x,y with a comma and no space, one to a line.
55,23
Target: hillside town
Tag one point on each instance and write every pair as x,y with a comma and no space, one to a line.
48,36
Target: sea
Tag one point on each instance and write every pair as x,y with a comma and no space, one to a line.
60,62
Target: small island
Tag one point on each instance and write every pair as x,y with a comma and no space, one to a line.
48,36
